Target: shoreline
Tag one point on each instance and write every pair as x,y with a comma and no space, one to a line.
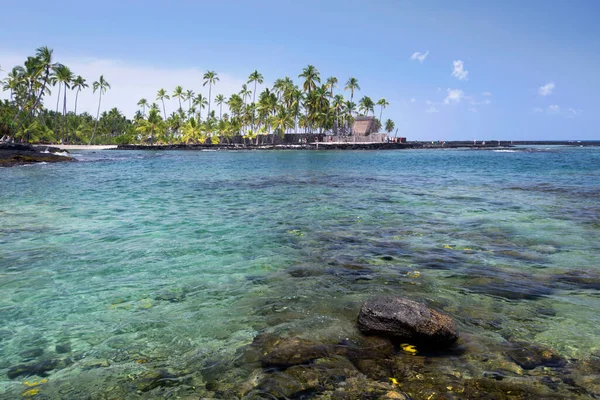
356,146
81,146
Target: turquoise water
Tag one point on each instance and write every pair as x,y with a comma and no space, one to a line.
180,259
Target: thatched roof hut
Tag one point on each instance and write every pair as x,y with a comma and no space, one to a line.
364,126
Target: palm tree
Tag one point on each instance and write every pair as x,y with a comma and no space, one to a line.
389,126
143,103
331,83
245,93
352,85
189,96
102,86
150,126
201,102
219,100
383,104
78,84
366,104
178,94
13,81
64,76
255,77
282,121
211,78
311,78
44,65
338,105
162,95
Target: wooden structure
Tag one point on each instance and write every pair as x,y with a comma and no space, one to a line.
364,126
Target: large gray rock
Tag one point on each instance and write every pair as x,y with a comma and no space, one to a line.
407,320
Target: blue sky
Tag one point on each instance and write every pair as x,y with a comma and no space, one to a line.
527,70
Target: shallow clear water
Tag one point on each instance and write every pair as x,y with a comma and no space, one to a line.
178,259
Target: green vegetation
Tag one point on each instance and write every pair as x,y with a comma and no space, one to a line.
308,107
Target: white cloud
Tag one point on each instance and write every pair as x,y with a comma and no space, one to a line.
431,110
459,71
419,56
487,94
454,96
547,89
556,110
129,83
481,103
412,100
572,113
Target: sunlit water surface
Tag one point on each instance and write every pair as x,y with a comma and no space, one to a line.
179,259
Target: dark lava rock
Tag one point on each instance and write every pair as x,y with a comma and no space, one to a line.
579,279
281,386
31,353
304,272
530,356
172,297
63,348
368,347
39,369
506,284
12,154
292,351
404,319
327,378
155,378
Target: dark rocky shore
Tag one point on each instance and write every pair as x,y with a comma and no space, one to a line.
12,154
323,144
311,146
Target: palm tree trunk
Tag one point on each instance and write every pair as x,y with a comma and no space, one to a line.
209,99
97,116
221,112
34,104
56,113
76,97
380,114
65,114
164,110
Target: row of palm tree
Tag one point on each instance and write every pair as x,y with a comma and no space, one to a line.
311,106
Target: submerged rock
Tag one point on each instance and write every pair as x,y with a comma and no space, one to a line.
31,353
579,279
530,356
155,378
293,351
506,284
39,368
404,319
62,348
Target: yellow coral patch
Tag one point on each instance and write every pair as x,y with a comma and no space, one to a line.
145,303
35,383
447,246
394,381
408,348
413,274
31,392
